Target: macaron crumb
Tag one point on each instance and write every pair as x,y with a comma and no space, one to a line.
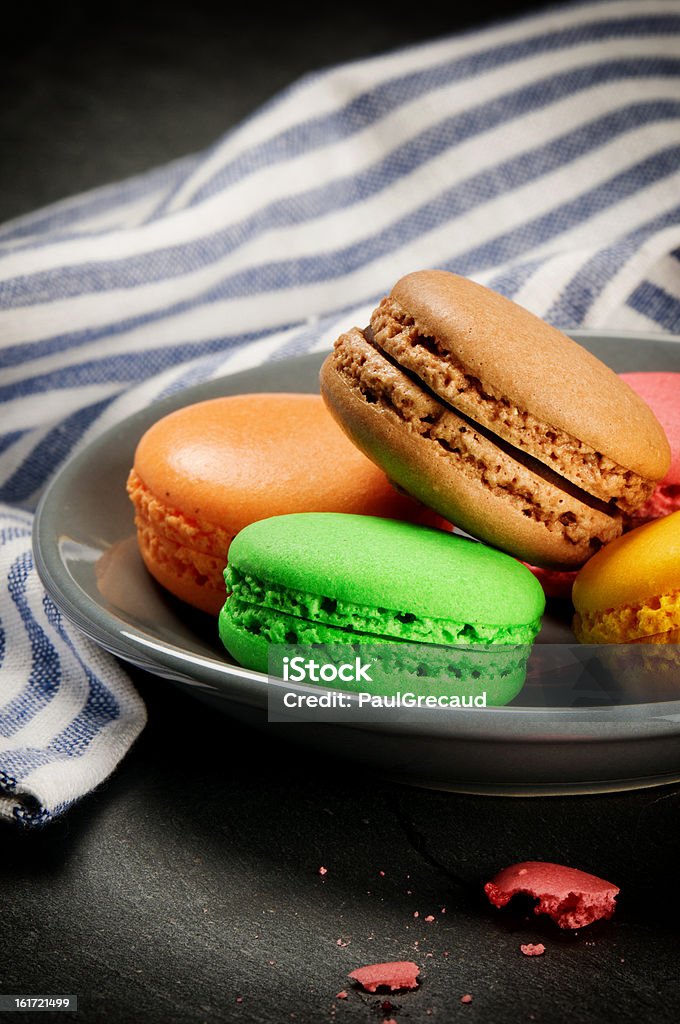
532,949
429,918
395,976
466,999
323,870
342,995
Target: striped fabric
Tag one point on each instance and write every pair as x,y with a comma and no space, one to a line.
540,157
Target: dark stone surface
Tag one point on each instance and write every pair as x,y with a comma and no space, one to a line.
190,880
166,895
94,92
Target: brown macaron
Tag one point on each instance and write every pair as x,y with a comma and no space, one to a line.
495,419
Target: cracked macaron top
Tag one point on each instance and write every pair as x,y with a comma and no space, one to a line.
478,407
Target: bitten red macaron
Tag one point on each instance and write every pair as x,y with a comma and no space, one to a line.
204,472
572,898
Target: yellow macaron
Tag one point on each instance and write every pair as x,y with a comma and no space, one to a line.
629,592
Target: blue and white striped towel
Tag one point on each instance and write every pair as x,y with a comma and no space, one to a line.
541,157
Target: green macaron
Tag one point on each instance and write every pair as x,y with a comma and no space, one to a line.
333,579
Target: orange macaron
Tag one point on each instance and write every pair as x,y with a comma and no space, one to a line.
203,473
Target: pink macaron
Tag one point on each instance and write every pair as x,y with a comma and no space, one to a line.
661,391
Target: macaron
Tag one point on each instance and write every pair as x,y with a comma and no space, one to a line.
629,592
661,391
204,472
495,419
330,579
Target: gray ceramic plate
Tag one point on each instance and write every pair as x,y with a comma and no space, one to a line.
572,729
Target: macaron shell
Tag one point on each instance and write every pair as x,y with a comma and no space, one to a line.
389,564
500,671
661,391
205,471
436,366
231,461
306,608
519,357
424,469
639,566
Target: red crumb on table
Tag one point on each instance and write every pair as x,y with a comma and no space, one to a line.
342,942
467,998
531,949
323,870
398,975
429,918
572,898
341,995
386,1006
416,913
382,874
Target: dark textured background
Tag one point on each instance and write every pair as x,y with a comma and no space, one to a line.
168,895
93,92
